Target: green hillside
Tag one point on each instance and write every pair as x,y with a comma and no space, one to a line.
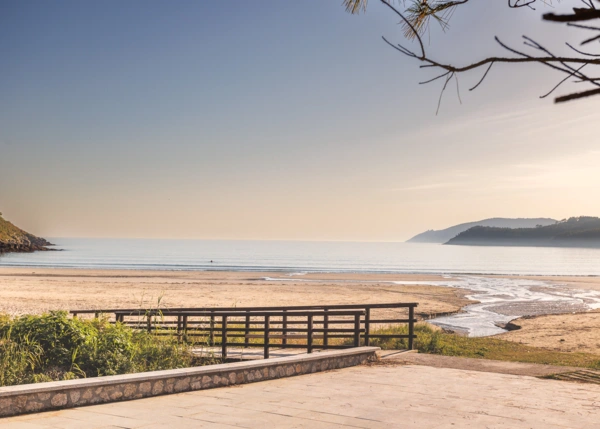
443,235
581,231
14,239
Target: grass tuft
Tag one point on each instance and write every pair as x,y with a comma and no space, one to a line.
436,341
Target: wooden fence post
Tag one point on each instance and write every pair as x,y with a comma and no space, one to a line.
309,344
267,328
356,330
247,331
367,325
185,326
411,327
326,330
179,326
224,338
284,326
211,334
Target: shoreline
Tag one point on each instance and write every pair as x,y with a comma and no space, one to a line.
295,271
6,248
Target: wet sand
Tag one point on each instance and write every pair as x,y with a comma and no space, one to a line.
575,332
575,282
571,331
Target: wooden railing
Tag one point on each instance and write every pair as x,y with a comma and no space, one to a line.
310,327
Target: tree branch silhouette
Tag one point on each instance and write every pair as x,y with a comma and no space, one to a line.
581,67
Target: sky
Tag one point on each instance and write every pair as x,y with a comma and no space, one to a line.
277,120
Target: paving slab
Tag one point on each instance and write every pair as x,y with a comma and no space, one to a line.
368,396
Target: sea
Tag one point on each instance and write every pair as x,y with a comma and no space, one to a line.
309,256
501,299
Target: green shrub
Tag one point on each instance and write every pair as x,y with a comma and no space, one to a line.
108,352
59,337
429,339
17,362
117,349
167,353
53,346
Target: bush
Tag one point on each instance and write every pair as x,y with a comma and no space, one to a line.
53,346
59,337
428,339
117,349
17,362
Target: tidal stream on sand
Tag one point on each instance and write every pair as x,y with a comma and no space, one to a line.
504,299
500,300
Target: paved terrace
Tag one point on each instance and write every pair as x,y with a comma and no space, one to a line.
385,395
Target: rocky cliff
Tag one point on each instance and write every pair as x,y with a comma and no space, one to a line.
14,239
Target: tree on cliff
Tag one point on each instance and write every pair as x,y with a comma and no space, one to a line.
581,65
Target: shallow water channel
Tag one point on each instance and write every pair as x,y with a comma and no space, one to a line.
502,300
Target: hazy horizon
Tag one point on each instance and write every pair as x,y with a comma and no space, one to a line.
129,237
276,121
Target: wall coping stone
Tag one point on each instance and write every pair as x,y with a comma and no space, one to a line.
82,383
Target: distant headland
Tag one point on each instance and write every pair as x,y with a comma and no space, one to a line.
443,235
14,239
583,231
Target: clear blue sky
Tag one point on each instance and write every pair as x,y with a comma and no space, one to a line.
275,120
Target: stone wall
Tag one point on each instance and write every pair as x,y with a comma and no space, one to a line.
30,398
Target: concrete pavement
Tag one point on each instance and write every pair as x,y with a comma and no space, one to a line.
377,396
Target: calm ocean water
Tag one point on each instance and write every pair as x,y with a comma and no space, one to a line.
309,256
500,300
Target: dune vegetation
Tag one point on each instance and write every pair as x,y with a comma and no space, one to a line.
53,346
433,340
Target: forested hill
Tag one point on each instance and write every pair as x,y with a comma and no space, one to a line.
443,235
574,232
13,239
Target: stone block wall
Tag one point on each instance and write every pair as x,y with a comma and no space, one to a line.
31,398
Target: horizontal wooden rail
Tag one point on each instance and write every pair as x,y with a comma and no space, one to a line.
253,309
274,325
237,314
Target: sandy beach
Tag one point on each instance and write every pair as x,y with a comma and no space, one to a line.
27,290
32,290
